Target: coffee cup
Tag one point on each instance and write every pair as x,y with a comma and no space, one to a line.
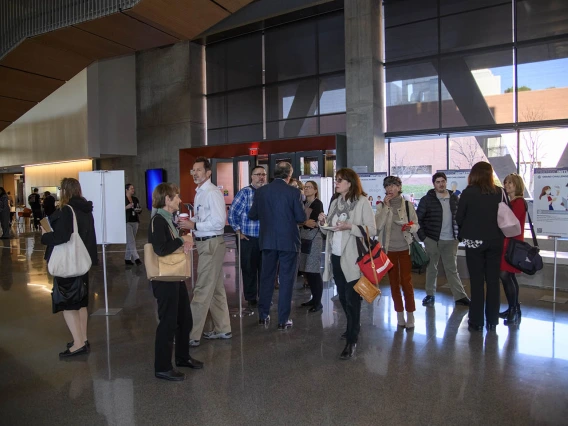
184,216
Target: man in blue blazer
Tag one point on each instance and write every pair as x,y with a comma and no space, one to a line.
279,209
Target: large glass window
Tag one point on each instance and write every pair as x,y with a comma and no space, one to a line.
412,97
303,92
541,18
415,161
543,81
411,40
477,89
478,28
291,51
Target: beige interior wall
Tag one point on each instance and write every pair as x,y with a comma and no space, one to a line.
51,174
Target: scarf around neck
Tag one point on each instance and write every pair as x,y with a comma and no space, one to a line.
169,218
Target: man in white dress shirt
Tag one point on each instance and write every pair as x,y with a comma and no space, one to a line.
208,225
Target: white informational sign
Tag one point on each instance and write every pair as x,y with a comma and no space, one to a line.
373,185
457,180
325,188
106,190
550,206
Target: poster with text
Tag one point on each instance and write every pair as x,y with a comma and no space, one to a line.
457,180
373,185
550,207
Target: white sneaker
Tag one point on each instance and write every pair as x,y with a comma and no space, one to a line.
400,319
194,343
410,320
211,335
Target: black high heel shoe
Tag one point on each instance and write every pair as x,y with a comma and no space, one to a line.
514,317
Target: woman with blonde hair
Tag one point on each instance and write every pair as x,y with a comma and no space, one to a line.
350,209
478,230
515,189
61,222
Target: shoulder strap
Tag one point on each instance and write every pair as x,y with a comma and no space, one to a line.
535,242
407,211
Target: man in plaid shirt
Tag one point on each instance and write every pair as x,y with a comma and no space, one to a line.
247,230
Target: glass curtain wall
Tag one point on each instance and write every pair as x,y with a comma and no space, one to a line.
489,77
283,82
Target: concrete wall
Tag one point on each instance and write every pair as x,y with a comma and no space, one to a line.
111,95
170,111
53,130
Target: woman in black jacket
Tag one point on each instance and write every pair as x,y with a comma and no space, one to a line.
174,310
61,222
483,239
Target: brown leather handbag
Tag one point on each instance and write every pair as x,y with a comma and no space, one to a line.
172,267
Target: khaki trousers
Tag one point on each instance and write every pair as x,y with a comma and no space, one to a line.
448,251
209,292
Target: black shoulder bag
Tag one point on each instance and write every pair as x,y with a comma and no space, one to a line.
522,255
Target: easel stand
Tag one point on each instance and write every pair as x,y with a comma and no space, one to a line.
554,299
241,312
107,311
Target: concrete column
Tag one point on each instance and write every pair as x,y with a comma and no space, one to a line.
364,85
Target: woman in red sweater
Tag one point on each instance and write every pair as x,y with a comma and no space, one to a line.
515,189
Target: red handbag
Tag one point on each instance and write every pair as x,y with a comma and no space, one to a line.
373,261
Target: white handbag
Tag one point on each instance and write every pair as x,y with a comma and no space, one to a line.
506,219
70,259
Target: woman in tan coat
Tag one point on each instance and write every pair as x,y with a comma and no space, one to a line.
349,209
395,228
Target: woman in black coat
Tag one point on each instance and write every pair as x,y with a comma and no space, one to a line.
478,230
61,223
174,310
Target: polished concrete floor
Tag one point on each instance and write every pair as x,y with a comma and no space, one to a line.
438,374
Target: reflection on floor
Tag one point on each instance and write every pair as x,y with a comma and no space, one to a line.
438,374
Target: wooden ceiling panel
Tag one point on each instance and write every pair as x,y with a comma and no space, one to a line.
45,60
233,5
84,43
25,86
4,124
125,30
12,109
183,18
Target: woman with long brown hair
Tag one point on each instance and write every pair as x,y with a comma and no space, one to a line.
478,230
350,209
61,222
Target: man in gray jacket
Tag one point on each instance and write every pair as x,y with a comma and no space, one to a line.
438,229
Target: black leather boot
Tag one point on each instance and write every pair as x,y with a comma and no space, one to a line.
513,317
348,351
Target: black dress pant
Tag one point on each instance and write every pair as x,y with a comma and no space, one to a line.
174,312
251,261
37,218
349,298
484,264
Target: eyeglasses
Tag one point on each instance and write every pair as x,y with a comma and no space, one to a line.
259,174
339,180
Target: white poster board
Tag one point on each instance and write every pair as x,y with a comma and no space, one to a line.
112,199
457,180
372,184
550,206
325,188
